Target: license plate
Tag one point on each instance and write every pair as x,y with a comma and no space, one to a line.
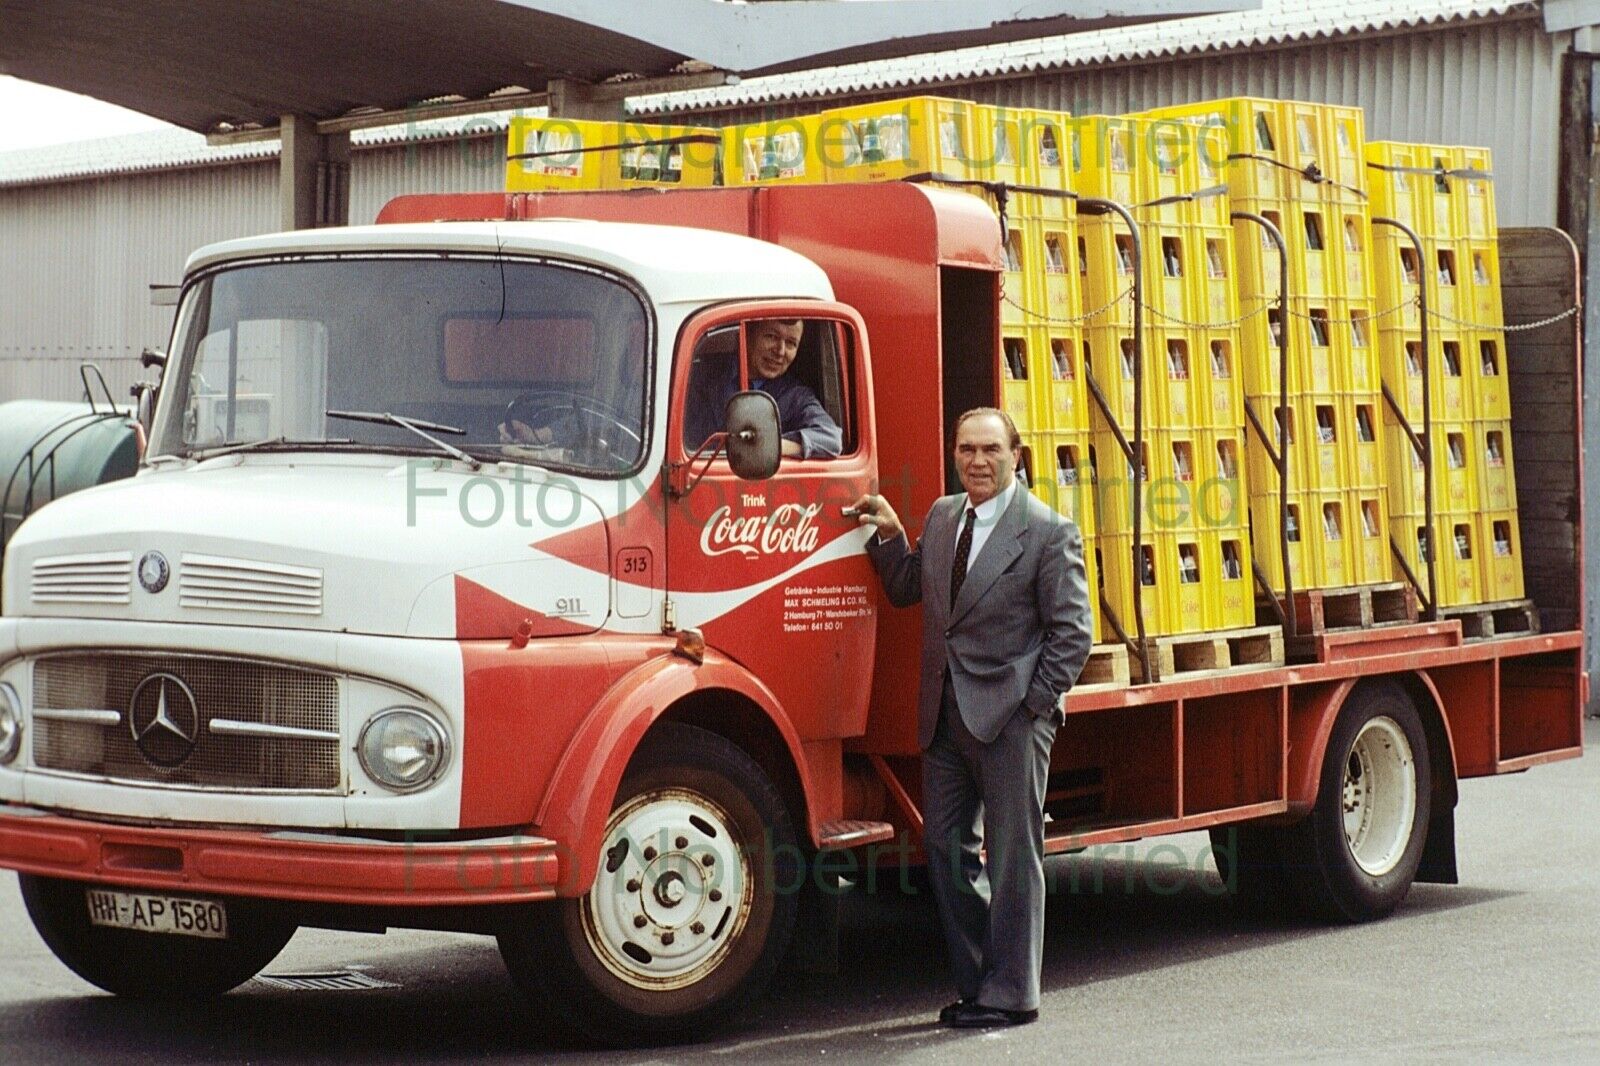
158,914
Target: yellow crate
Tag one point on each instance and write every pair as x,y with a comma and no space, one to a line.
1259,267
1492,464
1322,544
1314,267
1181,399
1477,194
1455,483
1501,555
1400,355
1108,357
1107,153
1484,305
1001,155
1320,453
1374,560
1106,271
1486,374
559,154
1357,368
1065,463
776,152
1364,439
1460,562
1345,162
1353,227
1438,217
1023,277
1229,601
1172,587
1398,273
1311,352
1067,399
1252,130
1221,384
1172,261
1061,277
1173,496
1394,190
1024,363
1448,292
895,139
1220,499
1217,295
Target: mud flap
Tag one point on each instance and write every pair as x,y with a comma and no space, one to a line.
1438,866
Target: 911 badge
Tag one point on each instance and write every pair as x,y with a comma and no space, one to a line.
154,572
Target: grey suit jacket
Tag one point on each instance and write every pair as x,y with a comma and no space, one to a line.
1020,631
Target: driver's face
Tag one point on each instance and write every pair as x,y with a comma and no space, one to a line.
773,345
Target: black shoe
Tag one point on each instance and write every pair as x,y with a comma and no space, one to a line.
977,1016
947,1014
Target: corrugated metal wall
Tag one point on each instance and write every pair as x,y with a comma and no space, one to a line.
1494,84
76,258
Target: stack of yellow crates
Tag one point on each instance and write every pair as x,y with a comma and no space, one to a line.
1445,195
562,154
1300,166
1192,566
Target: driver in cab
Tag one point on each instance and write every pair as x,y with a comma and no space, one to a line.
809,432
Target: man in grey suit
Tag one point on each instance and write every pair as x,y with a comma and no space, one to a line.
1005,633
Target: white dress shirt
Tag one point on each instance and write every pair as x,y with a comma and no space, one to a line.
989,512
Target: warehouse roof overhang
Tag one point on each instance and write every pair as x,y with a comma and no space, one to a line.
231,64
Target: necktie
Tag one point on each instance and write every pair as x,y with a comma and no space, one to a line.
958,568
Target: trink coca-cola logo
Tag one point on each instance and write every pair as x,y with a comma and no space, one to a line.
786,530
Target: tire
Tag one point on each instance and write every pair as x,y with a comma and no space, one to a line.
691,911
151,965
1354,857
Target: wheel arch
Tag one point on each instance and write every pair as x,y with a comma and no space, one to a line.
717,695
1309,733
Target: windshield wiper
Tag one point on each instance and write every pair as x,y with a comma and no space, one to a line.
261,445
417,426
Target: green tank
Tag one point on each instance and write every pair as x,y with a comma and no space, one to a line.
50,449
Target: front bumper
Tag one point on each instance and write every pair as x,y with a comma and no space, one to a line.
284,865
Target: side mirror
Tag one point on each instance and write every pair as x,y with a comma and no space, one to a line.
144,404
754,446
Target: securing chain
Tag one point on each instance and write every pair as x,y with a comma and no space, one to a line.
1485,328
1271,301
1375,316
1068,320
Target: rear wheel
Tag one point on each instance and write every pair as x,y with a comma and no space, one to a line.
691,910
151,965
1353,859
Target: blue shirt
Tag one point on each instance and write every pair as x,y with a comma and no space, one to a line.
801,415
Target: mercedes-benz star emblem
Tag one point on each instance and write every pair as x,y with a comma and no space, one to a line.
154,571
165,720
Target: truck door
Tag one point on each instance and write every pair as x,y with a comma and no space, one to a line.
772,572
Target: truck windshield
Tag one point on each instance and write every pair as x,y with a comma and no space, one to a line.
532,361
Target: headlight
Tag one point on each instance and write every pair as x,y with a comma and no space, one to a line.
402,749
10,724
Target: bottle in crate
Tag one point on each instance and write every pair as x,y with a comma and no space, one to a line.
1394,181
1020,357
1251,129
1062,283
1486,374
1477,194
1399,273
1107,151
1501,569
1074,478
1455,487
1366,462
1355,347
1373,557
777,152
1321,550
1483,305
1221,386
1491,463
1067,401
1228,599
1459,557
1219,499
1401,356
896,139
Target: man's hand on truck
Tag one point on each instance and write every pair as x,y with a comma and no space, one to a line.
875,511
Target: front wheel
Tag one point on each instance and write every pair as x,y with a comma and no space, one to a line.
691,910
143,965
1354,858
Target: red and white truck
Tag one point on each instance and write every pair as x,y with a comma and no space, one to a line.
341,655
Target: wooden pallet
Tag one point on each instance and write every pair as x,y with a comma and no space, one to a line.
1484,621
1351,607
1107,668
1190,654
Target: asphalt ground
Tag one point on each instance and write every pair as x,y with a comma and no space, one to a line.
1144,961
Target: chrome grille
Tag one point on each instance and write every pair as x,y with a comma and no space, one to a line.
102,577
220,584
238,691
